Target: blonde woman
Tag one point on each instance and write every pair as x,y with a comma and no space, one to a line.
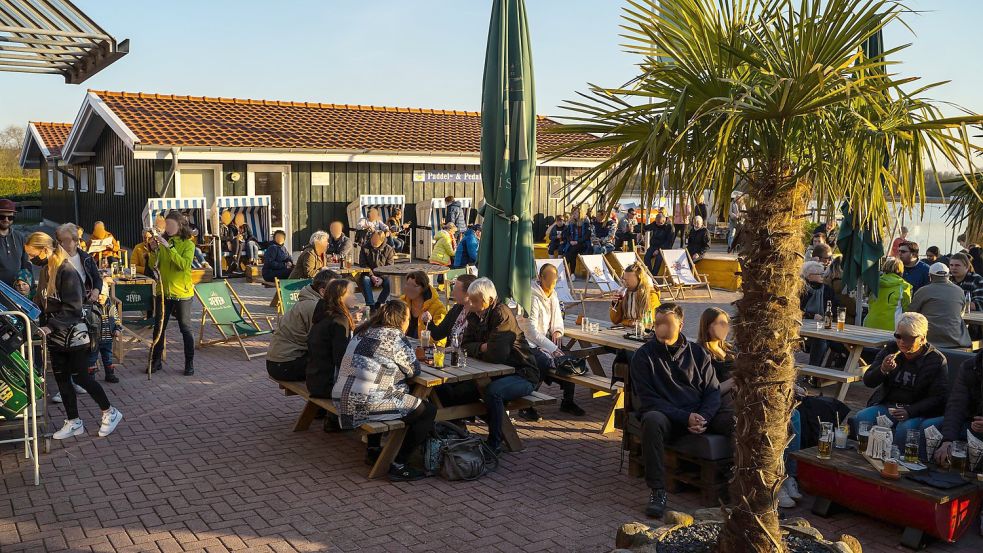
444,246
638,298
60,295
893,296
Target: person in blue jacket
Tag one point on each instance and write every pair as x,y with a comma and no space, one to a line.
467,248
277,262
455,215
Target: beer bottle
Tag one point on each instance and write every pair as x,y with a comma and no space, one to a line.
828,317
455,350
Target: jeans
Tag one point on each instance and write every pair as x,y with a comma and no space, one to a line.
199,260
657,430
497,393
367,291
294,370
396,244
181,309
252,250
106,351
653,260
731,234
544,362
70,366
791,468
900,428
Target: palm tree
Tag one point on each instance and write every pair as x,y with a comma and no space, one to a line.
779,95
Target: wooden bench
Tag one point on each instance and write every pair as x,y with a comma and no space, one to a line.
381,465
828,376
600,386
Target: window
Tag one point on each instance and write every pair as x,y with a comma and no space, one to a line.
51,179
100,180
119,186
61,180
71,184
84,180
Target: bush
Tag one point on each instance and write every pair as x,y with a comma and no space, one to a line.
20,188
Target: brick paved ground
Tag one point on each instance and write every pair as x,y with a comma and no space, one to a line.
209,463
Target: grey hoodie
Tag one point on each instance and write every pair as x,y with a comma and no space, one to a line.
290,340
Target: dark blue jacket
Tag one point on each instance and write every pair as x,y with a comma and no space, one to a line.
467,250
275,259
579,233
675,384
455,215
916,275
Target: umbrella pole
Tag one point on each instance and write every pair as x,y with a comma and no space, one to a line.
859,300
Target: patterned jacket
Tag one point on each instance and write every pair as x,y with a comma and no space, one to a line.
973,283
374,378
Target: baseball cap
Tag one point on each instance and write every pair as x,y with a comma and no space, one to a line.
939,269
7,205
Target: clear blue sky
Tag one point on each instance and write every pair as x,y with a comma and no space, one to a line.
417,53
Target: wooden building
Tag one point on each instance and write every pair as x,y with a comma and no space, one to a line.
312,159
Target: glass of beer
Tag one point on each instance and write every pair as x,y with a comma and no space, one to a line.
911,446
960,456
863,433
825,441
840,319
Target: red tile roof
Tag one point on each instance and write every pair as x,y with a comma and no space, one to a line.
53,135
170,120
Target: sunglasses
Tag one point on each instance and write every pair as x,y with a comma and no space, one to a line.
904,251
7,217
904,338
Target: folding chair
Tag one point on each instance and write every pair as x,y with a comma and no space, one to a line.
682,272
563,290
620,261
601,274
221,304
133,303
288,292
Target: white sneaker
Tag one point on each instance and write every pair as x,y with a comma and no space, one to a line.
72,427
792,487
109,421
56,398
784,500
79,389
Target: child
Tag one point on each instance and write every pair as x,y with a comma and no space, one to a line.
23,284
110,330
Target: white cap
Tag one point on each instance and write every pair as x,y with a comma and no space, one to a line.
939,269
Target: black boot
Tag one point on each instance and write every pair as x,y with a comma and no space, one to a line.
657,504
189,368
111,375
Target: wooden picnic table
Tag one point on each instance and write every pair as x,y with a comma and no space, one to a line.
400,270
974,318
847,479
855,339
593,345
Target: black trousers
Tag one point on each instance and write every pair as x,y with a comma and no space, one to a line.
544,362
71,366
657,430
419,425
181,309
291,371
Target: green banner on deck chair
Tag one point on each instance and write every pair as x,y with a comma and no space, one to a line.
15,386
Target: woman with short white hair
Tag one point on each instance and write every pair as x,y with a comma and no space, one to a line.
313,258
698,241
910,377
493,335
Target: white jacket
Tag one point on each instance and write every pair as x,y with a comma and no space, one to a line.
545,318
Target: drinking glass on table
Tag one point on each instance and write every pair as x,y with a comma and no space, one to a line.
960,456
863,434
840,319
911,446
826,437
438,357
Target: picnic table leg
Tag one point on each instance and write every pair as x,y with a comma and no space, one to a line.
306,417
913,538
395,441
852,367
619,403
593,362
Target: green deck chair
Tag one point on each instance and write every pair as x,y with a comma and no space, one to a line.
287,293
221,304
133,302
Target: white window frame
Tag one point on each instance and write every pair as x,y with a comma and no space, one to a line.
218,185
284,170
100,180
84,179
70,185
61,180
51,179
119,180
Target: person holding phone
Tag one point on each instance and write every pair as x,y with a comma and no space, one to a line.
171,254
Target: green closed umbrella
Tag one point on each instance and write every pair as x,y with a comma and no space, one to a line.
862,251
508,154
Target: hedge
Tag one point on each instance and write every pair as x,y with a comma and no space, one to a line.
20,188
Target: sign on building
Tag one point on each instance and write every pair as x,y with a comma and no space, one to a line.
426,175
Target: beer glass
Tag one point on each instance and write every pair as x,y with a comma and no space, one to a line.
863,433
911,446
960,456
840,319
825,441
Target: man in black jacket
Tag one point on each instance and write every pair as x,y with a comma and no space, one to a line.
964,410
493,335
662,235
675,391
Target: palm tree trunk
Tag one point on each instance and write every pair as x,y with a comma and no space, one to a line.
766,330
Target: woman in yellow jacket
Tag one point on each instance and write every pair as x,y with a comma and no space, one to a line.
422,298
444,246
638,298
